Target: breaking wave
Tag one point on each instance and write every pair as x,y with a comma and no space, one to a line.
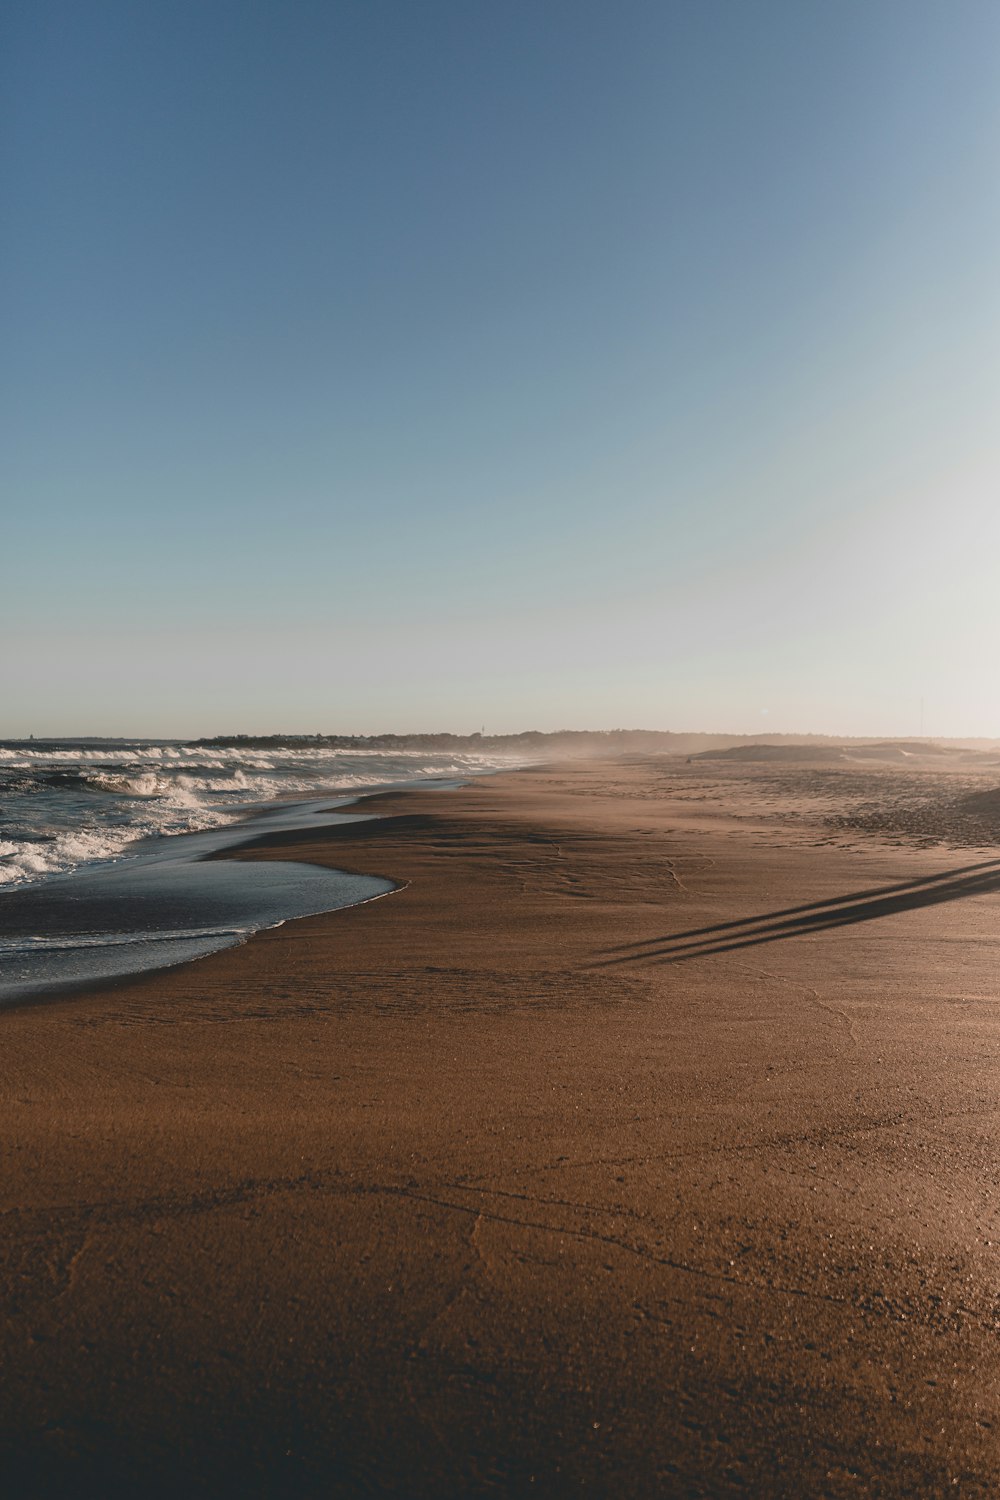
63,805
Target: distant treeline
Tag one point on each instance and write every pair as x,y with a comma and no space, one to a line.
534,741
528,740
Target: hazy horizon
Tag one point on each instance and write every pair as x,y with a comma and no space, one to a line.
546,364
760,734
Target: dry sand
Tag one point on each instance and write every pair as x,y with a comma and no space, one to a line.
644,1145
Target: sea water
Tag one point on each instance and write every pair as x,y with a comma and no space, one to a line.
103,846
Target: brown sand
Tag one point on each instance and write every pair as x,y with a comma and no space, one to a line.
498,1186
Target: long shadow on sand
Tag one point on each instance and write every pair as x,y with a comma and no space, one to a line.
816,916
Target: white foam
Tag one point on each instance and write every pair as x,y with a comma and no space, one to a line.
125,793
28,860
146,784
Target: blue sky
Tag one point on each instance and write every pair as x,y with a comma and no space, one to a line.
393,366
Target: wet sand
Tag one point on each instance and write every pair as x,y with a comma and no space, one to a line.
643,1145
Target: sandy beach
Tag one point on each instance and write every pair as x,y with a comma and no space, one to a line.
644,1144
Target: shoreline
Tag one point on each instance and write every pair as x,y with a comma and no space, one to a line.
480,1192
81,956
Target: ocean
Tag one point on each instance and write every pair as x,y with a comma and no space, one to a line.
103,846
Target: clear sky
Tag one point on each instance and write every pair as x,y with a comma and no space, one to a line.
380,365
